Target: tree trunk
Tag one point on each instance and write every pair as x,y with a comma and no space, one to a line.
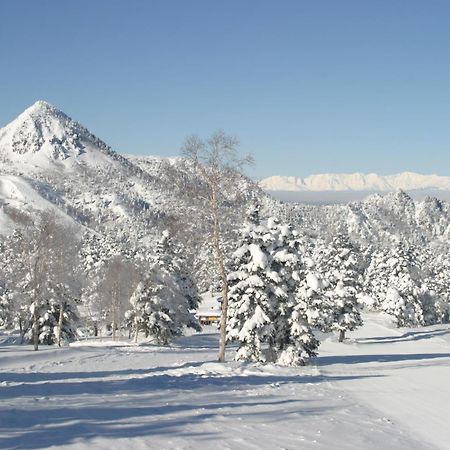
136,328
114,323
35,329
223,318
341,335
223,276
60,323
22,331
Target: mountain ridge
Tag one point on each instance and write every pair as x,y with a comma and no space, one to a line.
356,182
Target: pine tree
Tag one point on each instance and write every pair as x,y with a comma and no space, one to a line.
151,313
56,323
6,309
170,257
339,265
162,300
265,316
435,290
300,343
159,309
253,294
394,279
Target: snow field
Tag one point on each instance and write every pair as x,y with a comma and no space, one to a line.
382,389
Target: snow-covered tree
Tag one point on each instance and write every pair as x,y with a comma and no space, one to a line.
159,308
171,257
109,267
435,287
57,321
394,280
46,278
265,317
253,291
339,264
6,309
118,279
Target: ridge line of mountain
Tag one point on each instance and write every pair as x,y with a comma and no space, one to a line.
356,182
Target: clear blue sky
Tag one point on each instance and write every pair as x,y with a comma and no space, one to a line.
308,86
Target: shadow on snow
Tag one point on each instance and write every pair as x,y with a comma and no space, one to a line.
409,336
95,408
360,359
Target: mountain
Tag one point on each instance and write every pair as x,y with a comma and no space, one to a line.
45,138
356,182
50,161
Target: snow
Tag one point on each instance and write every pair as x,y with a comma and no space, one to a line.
402,373
313,282
258,256
209,305
44,138
18,193
356,182
384,388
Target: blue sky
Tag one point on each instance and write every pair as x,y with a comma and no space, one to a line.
308,86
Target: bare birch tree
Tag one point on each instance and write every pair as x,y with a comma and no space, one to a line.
46,268
118,282
219,166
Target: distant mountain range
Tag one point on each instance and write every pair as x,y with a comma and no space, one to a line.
356,182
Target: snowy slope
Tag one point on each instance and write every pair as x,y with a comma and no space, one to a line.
48,160
19,199
44,138
402,373
133,397
356,182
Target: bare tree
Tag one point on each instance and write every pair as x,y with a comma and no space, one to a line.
219,166
47,263
119,279
66,282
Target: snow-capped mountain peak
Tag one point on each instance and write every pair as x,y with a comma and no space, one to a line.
43,136
41,107
356,182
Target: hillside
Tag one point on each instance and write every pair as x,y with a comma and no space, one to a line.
50,161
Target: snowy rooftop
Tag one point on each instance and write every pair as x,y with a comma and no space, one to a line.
209,304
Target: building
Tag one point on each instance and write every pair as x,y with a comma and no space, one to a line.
209,310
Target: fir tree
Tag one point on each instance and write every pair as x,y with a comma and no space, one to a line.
394,279
264,314
339,264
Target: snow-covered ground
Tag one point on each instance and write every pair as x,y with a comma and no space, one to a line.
385,388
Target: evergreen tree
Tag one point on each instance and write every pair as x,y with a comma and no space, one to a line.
395,279
170,257
339,264
162,300
435,288
264,314
253,294
6,309
150,313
